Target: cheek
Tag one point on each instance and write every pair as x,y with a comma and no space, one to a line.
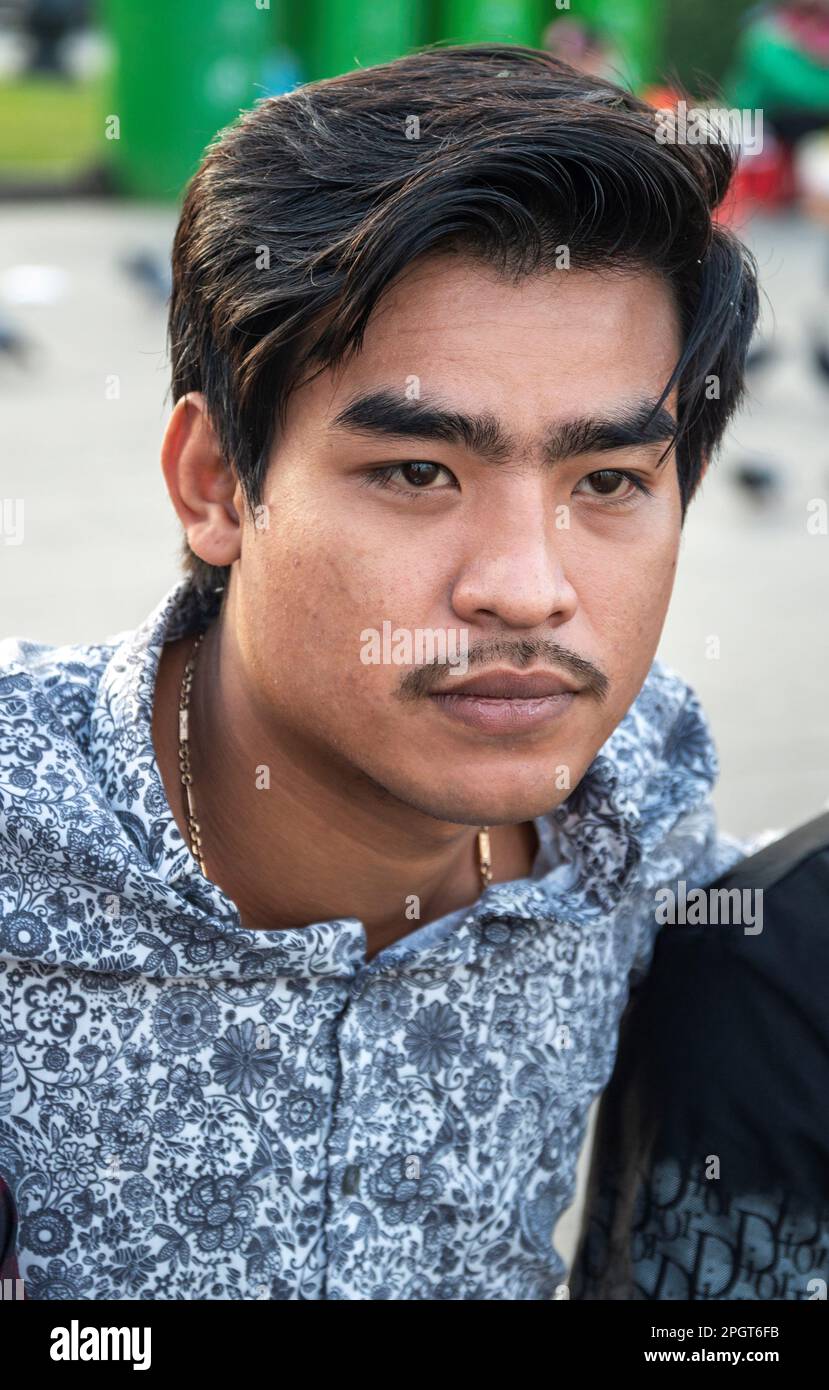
625,597
312,589
623,607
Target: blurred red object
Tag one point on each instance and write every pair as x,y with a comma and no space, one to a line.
764,181
765,178
663,98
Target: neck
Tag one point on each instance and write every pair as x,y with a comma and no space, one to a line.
317,841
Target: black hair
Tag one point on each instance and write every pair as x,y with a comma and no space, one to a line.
306,209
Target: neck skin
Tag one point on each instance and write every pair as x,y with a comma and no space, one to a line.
320,842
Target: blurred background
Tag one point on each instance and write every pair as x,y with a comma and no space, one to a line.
105,109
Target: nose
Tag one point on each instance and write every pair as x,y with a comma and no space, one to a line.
513,573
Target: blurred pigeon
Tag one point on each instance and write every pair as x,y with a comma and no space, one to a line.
759,354
757,477
151,271
13,343
820,357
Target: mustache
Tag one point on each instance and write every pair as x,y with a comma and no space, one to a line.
424,680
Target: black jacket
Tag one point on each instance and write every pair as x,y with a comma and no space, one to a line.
710,1170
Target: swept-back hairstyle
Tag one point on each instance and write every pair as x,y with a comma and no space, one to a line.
304,211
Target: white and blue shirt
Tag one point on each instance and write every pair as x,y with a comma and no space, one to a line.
193,1110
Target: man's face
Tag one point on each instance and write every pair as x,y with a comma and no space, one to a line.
471,517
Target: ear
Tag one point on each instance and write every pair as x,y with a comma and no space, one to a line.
202,485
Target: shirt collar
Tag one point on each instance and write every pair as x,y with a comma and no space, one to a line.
121,742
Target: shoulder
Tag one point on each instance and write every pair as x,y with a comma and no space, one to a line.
668,712
47,689
738,999
664,752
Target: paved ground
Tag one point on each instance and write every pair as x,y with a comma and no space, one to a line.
101,540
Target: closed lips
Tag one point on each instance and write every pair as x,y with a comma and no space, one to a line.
510,685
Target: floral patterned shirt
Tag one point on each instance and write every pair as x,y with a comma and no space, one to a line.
193,1110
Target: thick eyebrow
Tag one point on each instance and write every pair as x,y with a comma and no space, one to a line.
634,426
394,416
387,414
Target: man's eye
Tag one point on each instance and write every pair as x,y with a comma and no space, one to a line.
613,484
414,474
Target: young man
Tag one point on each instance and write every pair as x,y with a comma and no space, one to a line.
443,336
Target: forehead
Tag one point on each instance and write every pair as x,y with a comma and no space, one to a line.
558,343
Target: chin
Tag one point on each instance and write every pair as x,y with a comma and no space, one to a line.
488,805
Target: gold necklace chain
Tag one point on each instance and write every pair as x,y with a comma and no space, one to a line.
193,827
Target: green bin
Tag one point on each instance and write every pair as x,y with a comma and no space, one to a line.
637,27
334,36
495,21
182,71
